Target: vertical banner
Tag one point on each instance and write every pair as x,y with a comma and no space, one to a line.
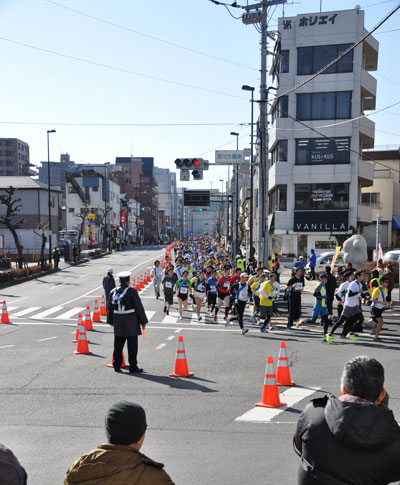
337,251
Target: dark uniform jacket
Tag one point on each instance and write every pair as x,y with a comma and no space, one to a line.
342,442
125,312
116,464
108,284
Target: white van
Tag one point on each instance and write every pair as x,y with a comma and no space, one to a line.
392,255
325,259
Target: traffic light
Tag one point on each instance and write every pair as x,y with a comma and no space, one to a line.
196,165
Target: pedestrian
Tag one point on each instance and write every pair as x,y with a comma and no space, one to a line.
11,471
182,289
294,290
312,261
67,256
75,253
126,314
300,264
56,257
267,296
198,285
390,275
120,460
379,302
168,288
241,295
353,438
157,278
330,290
380,267
108,284
277,269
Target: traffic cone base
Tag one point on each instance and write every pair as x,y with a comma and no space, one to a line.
270,396
124,364
282,369
181,367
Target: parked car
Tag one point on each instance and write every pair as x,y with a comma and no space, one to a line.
392,255
325,259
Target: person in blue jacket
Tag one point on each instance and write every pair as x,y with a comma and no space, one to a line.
312,261
300,264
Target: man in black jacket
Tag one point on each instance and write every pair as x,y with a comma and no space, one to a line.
330,290
126,314
108,284
351,440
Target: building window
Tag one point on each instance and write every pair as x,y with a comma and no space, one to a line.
281,108
279,153
371,198
321,151
284,61
324,106
71,210
321,196
277,199
95,189
312,59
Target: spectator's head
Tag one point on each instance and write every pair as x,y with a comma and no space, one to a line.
364,377
312,251
126,424
259,271
328,270
10,469
384,281
380,261
349,266
301,258
110,271
157,263
388,268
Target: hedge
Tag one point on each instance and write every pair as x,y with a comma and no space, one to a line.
16,274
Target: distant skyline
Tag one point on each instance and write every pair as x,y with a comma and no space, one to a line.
134,73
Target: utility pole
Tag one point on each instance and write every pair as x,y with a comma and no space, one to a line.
255,15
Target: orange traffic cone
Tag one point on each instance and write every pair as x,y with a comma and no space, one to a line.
124,364
82,347
96,313
270,395
181,367
4,313
103,308
88,320
282,369
80,322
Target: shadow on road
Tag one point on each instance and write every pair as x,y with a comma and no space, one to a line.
176,383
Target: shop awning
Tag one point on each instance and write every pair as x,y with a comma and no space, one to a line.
395,222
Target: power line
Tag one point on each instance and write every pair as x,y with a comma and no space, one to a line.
118,124
118,69
381,22
380,3
128,29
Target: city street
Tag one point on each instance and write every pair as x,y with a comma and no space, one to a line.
54,402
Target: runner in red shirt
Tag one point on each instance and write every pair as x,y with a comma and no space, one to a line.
223,291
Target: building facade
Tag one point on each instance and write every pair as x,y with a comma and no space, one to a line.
14,158
316,172
167,199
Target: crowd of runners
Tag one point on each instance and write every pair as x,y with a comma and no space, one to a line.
206,281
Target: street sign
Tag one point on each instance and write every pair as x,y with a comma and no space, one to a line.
229,156
196,198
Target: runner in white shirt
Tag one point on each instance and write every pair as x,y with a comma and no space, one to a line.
158,274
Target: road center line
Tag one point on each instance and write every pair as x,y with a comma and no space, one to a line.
6,346
87,274
171,337
178,330
43,339
159,347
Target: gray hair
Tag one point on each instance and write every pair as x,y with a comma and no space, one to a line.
363,377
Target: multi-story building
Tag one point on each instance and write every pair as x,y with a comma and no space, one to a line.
14,158
207,219
167,198
317,132
57,171
383,197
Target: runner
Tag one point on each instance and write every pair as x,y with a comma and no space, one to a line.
379,302
241,293
267,292
168,288
198,285
294,289
212,282
320,308
223,290
255,287
182,293
158,274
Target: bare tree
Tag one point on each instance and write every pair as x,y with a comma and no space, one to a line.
42,235
103,221
82,215
9,219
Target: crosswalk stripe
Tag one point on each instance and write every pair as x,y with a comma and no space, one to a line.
26,311
11,308
169,319
70,313
150,314
48,312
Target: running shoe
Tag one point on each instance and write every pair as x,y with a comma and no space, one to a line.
329,338
226,318
244,331
200,317
352,337
215,318
227,322
263,330
208,309
271,327
377,339
167,312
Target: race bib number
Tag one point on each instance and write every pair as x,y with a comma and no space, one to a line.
183,290
168,284
299,286
213,288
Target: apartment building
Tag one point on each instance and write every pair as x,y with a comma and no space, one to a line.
14,158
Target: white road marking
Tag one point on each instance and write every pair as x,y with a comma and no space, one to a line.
19,299
169,319
56,286
291,397
87,274
11,308
43,339
26,311
178,330
171,337
6,346
70,313
150,314
159,347
47,312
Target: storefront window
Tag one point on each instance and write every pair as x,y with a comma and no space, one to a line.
320,151
321,196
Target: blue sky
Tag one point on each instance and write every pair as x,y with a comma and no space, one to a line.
44,88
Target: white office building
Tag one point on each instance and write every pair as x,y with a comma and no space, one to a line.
315,177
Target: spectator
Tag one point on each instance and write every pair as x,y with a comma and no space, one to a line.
330,290
119,461
108,283
389,273
75,253
351,439
11,472
56,257
312,261
300,264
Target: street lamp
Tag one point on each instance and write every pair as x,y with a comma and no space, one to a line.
236,174
48,189
251,89
105,205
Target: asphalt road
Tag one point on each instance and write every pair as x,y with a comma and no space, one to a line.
53,402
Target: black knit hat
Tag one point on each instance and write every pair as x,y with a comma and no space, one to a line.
125,423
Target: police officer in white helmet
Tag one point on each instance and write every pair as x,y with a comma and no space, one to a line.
126,314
